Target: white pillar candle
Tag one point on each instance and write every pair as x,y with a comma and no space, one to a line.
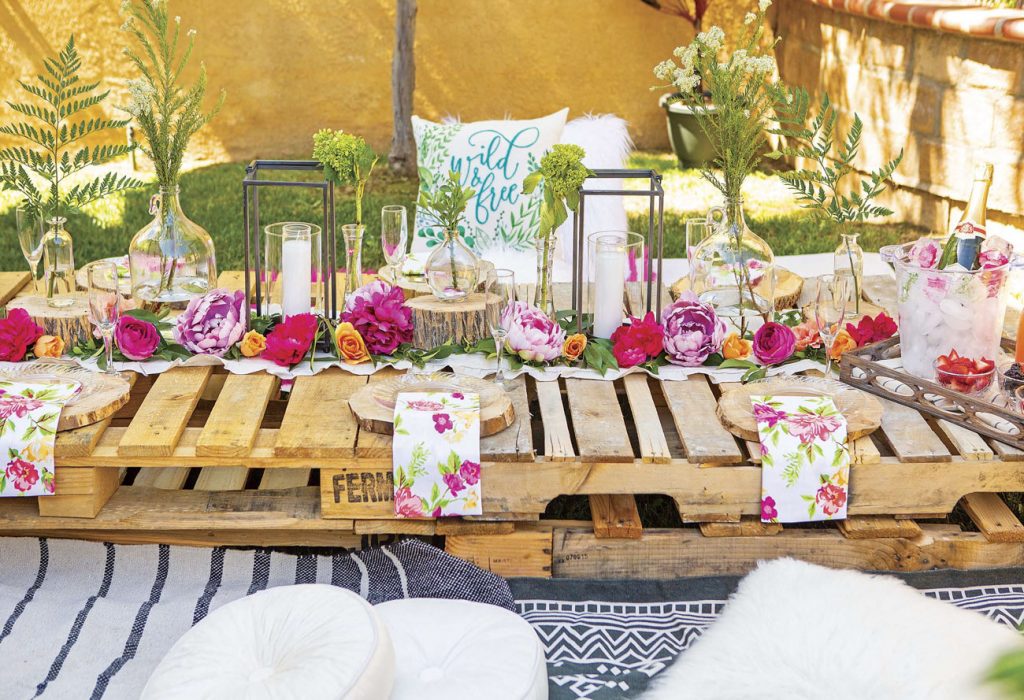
296,274
609,285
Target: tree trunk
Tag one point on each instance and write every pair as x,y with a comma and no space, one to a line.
403,83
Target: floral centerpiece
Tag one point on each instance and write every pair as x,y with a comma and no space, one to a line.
172,259
561,174
452,269
744,93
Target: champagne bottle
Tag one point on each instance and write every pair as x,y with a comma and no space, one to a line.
964,243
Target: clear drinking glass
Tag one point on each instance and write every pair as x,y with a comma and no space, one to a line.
394,235
104,304
502,284
831,297
30,236
697,230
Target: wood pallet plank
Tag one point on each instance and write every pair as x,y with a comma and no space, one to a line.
14,284
910,436
993,517
597,421
1007,453
616,516
104,483
557,438
170,478
318,422
865,527
274,479
221,479
969,444
693,409
748,526
515,443
653,445
521,553
235,420
164,413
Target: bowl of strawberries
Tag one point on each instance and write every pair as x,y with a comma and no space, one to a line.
964,374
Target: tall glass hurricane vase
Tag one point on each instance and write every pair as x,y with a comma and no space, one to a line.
58,264
172,259
733,269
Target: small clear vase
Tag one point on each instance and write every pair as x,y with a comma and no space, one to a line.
452,270
543,297
733,269
58,264
352,235
848,260
172,259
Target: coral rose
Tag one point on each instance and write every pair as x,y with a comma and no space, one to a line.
843,342
807,336
253,343
574,346
736,348
351,346
49,346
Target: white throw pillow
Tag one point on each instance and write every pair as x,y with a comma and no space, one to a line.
802,632
493,157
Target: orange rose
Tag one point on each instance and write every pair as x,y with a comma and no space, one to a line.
49,346
736,348
574,346
806,336
351,346
843,342
253,344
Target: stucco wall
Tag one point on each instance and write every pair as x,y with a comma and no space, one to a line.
948,98
293,66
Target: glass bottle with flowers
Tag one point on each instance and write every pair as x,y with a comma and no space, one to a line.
348,160
172,259
821,189
561,174
452,270
57,127
732,269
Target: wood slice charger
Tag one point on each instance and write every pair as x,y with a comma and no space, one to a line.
101,395
69,323
436,322
863,412
373,404
788,286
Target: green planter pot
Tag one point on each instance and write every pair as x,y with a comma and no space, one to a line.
690,144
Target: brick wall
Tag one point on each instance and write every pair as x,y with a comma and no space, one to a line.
949,93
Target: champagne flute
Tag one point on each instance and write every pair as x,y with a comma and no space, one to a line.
501,283
829,308
104,305
30,237
394,235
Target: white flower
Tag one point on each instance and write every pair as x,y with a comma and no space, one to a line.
192,32
664,70
749,18
763,5
177,19
712,38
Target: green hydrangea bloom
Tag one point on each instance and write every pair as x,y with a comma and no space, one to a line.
563,169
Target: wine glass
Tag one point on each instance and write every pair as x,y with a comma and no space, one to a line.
831,297
30,236
394,235
501,283
104,304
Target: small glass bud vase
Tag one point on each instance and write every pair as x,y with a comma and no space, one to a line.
58,264
849,260
543,297
352,234
452,270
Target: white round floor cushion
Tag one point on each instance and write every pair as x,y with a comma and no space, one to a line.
454,649
304,642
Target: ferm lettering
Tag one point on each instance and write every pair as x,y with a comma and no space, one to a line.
364,487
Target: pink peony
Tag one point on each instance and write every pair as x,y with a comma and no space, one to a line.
16,405
531,334
831,498
628,356
470,472
454,483
809,427
290,340
18,332
692,331
212,323
407,504
135,338
925,253
22,474
763,413
378,311
774,343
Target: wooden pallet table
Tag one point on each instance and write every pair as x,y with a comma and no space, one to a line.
201,457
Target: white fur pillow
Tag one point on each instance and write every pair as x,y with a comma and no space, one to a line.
798,631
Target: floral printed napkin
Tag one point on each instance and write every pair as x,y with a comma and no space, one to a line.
805,461
436,452
29,414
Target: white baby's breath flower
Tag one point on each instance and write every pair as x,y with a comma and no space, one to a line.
714,38
177,19
749,18
763,5
192,32
664,70
680,51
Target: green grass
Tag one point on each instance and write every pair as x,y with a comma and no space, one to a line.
212,197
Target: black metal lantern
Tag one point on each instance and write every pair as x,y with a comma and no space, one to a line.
655,241
253,249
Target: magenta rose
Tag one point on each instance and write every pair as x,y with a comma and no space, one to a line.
774,343
692,331
925,253
454,483
470,472
17,334
135,338
378,311
531,334
212,323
